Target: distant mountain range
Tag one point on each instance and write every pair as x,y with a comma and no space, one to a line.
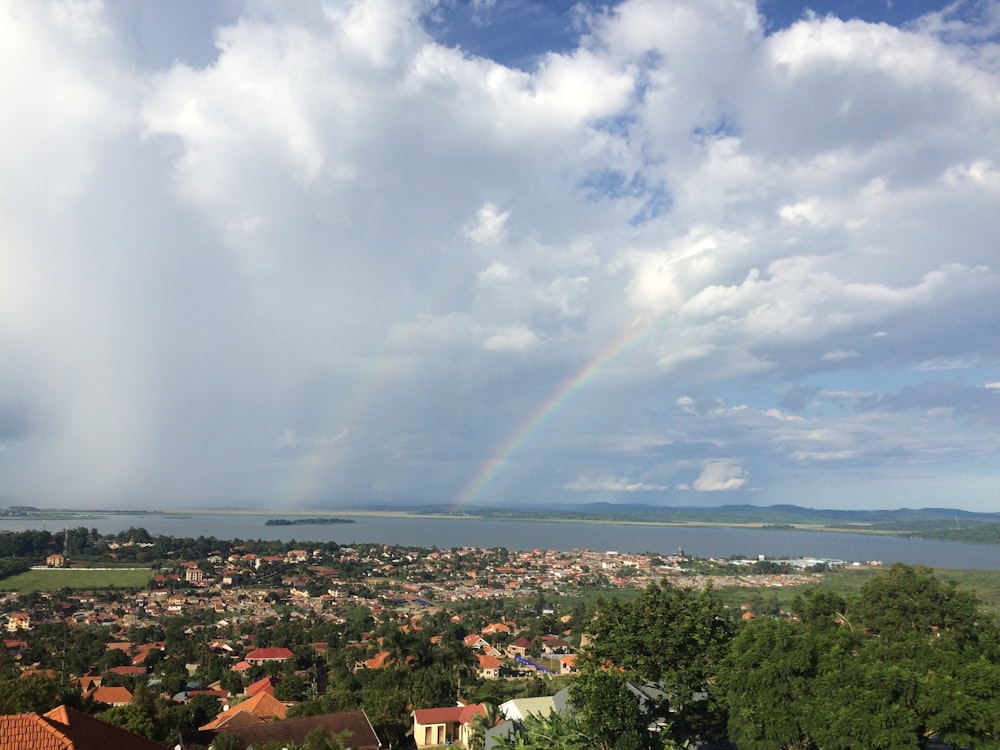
770,514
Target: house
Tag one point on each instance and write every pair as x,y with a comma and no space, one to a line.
55,561
567,664
380,661
296,556
263,706
261,656
519,708
353,726
496,627
263,685
194,575
113,696
520,647
489,666
18,621
445,726
553,644
478,643
65,728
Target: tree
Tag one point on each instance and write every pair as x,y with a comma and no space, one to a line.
608,712
671,637
386,703
431,686
908,659
553,732
133,717
766,680
35,693
228,742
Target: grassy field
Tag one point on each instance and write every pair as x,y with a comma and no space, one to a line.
77,578
983,583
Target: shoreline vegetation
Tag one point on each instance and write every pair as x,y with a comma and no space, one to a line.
941,524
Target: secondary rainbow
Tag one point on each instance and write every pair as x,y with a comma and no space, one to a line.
559,396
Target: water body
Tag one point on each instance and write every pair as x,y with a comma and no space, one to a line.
525,535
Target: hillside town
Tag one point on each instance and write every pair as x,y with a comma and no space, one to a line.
253,629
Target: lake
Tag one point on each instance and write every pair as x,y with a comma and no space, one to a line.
557,535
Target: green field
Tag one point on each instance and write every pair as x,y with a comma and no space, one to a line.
984,583
77,578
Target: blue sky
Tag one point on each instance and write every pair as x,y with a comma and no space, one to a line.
349,254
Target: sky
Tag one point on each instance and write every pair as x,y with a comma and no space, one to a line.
371,253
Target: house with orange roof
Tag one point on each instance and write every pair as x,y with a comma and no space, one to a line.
489,666
496,627
261,656
263,706
113,696
263,685
353,726
143,652
567,664
441,726
477,642
65,728
379,661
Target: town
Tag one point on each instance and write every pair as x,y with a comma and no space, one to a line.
213,629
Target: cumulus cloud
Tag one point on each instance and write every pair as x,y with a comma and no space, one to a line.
719,476
337,257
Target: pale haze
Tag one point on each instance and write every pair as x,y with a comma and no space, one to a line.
353,254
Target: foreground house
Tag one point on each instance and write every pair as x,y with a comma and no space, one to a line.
520,708
65,728
441,726
263,706
352,726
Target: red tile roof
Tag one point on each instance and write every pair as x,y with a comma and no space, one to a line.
263,685
31,732
262,705
360,734
272,654
111,695
66,729
458,714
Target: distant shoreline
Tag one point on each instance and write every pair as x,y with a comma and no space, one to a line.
467,516
930,523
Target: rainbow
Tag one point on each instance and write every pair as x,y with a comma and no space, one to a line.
559,396
313,469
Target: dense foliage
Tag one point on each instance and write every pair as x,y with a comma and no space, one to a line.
907,660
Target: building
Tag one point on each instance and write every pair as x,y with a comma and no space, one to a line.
444,726
261,656
352,726
65,728
18,621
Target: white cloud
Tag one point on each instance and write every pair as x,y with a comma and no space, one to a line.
719,476
514,339
341,227
488,226
609,484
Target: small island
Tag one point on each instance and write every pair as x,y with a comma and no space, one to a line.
305,521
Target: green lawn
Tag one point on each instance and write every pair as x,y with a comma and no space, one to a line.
77,578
